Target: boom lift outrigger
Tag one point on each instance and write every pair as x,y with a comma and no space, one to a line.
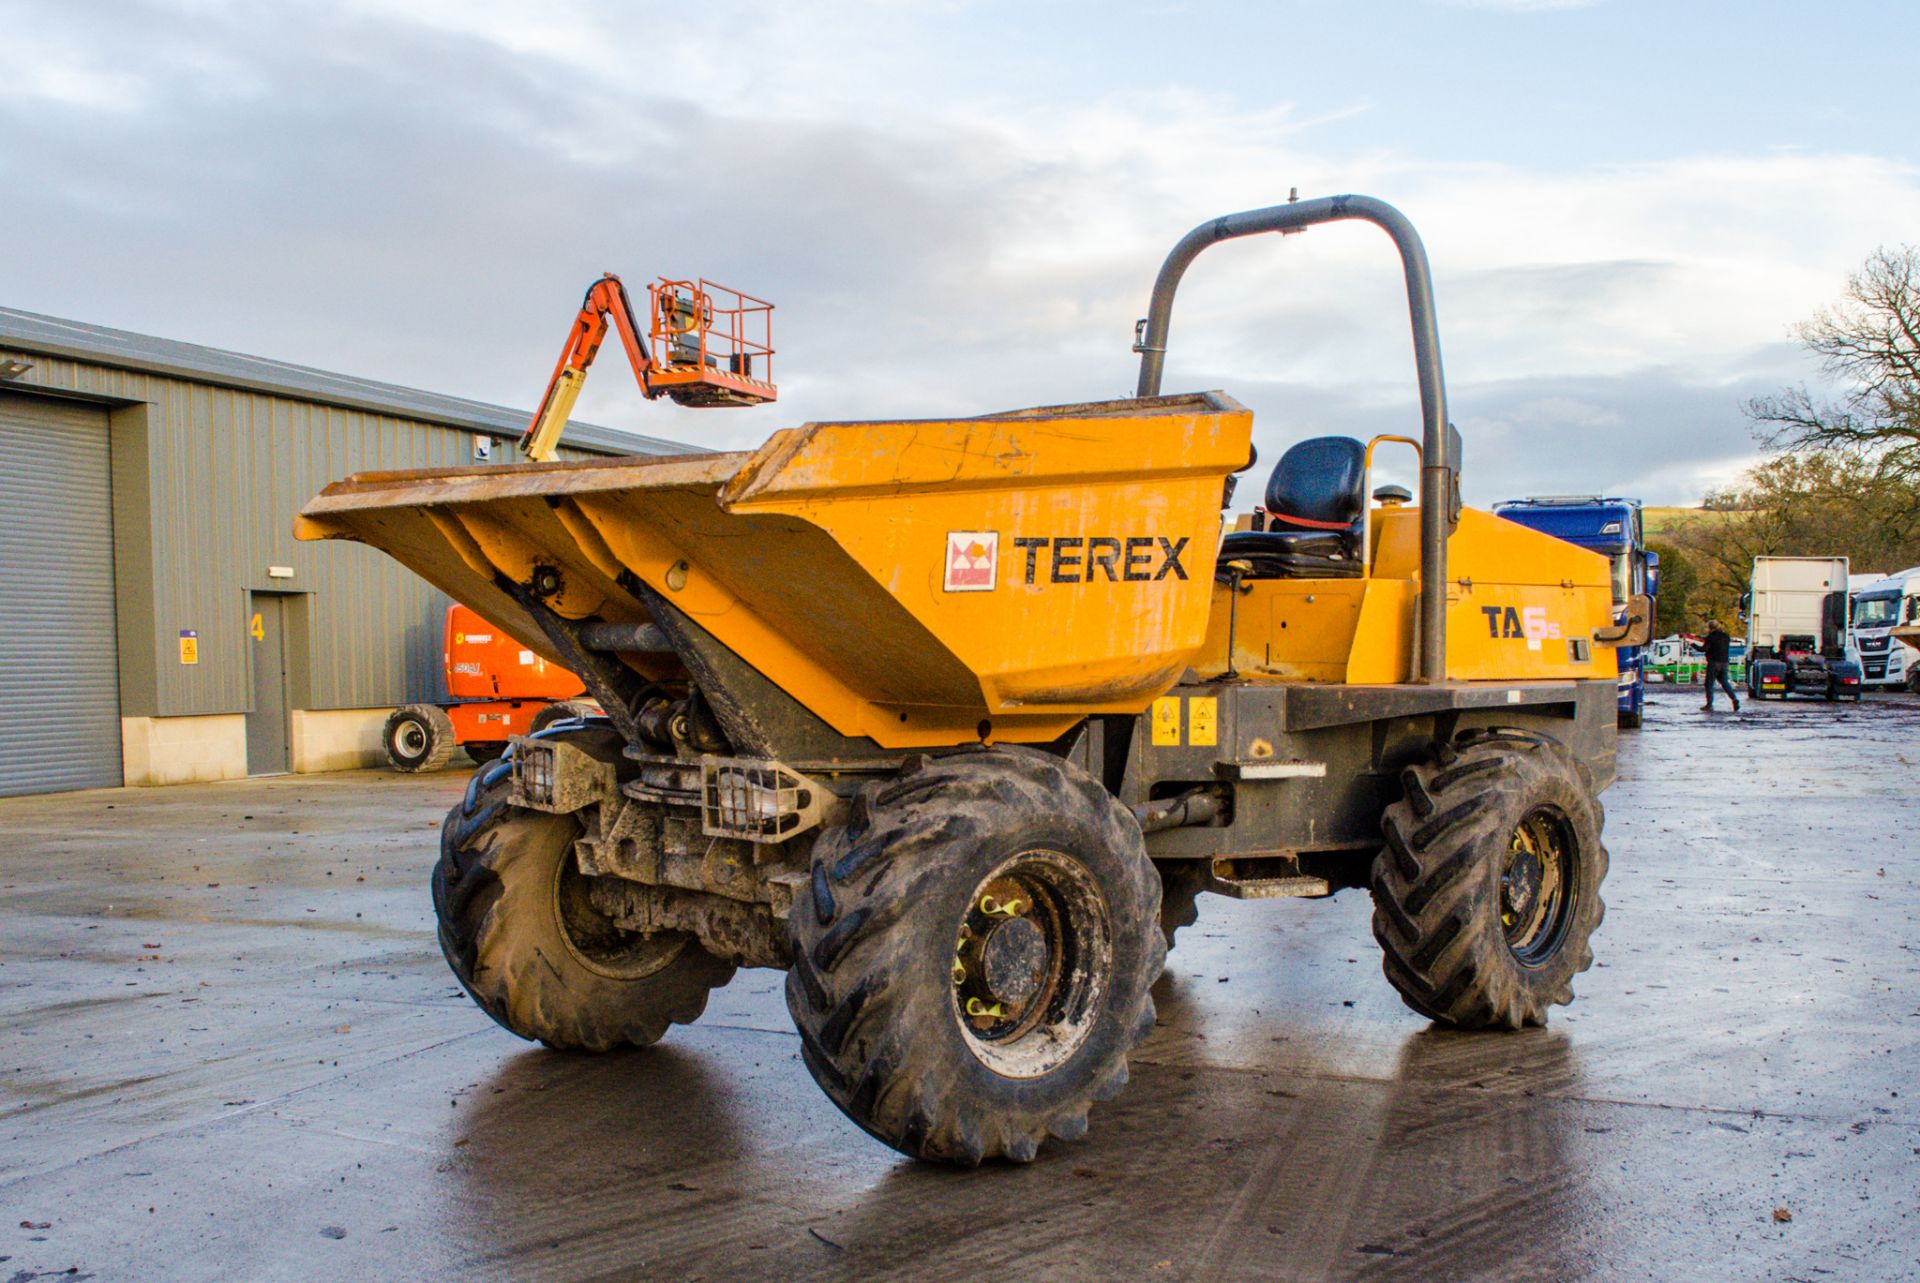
711,336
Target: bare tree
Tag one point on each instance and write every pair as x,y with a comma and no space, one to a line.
1869,344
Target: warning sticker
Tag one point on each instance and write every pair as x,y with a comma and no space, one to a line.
1166,722
1203,721
189,646
973,557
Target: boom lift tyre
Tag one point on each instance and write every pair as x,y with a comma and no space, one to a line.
972,954
419,737
520,929
566,710
1488,888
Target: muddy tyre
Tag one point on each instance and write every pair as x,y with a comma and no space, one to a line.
972,955
419,737
518,927
1182,882
1487,890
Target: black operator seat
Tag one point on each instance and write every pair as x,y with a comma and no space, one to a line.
1315,501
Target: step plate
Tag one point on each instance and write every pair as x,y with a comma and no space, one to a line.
1299,887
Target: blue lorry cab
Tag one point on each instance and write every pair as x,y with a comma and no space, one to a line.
1612,528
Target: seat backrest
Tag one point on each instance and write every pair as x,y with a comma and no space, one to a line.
1319,484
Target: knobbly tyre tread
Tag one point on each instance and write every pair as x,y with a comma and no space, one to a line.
493,897
1182,882
870,991
1436,881
442,739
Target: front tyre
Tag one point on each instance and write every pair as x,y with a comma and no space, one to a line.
520,930
1488,888
972,954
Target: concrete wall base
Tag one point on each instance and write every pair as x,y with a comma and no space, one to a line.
338,739
182,750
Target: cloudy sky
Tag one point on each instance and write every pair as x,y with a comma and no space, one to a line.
959,206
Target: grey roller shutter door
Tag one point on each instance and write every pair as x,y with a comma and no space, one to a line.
59,667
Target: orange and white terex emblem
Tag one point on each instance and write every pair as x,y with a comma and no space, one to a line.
973,560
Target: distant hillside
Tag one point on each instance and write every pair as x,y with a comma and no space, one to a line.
1665,521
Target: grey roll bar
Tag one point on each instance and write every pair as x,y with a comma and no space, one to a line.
1440,469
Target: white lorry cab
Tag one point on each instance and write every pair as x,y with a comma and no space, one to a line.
1878,607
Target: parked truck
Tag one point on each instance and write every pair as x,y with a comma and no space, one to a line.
1877,609
1612,528
1796,610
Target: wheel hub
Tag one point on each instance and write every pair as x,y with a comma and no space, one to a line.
1537,886
1014,959
1029,963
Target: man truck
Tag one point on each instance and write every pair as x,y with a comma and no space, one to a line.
1796,610
1876,611
1612,528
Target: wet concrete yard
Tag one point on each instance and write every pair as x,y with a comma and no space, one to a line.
229,1049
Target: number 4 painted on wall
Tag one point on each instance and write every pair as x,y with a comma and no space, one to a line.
257,629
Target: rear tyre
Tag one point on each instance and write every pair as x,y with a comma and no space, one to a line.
419,737
972,955
518,927
1488,888
1630,721
565,710
1182,882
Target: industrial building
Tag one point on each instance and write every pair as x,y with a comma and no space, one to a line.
158,621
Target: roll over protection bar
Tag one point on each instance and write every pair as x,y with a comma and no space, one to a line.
1440,451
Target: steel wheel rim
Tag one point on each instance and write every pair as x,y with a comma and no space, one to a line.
1030,964
596,941
409,739
1538,885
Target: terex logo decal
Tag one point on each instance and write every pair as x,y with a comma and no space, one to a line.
1072,559
1530,623
973,557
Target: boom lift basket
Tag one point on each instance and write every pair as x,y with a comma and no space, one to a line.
712,345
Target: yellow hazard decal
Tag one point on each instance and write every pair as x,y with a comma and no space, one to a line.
1166,722
1203,721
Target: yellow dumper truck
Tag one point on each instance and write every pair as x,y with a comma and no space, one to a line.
955,719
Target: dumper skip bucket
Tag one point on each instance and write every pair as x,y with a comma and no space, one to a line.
918,583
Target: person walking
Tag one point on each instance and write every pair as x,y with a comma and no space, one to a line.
1717,643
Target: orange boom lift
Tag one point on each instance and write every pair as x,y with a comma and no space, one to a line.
715,348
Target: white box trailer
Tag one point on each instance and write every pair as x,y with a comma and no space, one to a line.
1798,641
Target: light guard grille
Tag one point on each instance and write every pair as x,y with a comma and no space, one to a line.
756,800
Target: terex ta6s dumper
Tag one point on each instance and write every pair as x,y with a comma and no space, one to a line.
955,719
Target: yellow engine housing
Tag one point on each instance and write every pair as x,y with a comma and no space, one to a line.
1521,606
